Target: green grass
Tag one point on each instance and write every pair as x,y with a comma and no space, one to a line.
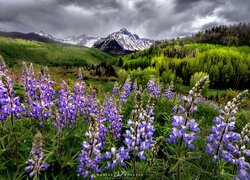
14,51
101,86
208,92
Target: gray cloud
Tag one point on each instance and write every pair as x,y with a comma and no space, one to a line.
156,19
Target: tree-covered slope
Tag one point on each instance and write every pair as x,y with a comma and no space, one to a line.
227,66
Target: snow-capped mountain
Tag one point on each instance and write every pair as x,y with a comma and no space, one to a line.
82,40
123,41
49,36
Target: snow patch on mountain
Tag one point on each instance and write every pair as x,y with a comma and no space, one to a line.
82,40
127,40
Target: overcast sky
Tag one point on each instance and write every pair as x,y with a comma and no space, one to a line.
155,19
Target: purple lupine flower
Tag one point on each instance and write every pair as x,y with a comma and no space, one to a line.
25,73
31,87
101,128
67,108
139,138
116,156
91,103
116,90
31,71
35,162
135,86
126,90
40,107
90,156
79,97
154,88
148,125
45,76
3,67
222,138
169,92
46,87
243,165
10,105
184,127
112,113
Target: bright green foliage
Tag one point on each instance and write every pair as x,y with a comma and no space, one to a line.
227,67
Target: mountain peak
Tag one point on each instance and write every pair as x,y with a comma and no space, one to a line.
123,42
124,31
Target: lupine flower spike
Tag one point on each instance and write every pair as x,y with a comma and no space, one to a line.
3,67
184,127
126,90
35,162
243,165
90,156
154,88
67,108
169,92
112,113
116,90
116,156
221,141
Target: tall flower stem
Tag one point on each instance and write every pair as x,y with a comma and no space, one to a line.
59,144
135,149
15,137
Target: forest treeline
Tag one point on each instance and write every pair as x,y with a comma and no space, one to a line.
233,35
228,67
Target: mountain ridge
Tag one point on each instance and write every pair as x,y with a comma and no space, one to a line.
119,42
123,42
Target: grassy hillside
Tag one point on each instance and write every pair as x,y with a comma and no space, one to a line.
14,51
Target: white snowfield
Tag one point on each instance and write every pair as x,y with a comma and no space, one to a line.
82,40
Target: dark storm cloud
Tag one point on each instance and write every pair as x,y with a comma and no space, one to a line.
236,11
156,19
183,5
92,3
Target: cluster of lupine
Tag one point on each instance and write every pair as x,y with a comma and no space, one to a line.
153,87
35,162
139,137
40,103
224,142
90,157
9,103
39,93
184,127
